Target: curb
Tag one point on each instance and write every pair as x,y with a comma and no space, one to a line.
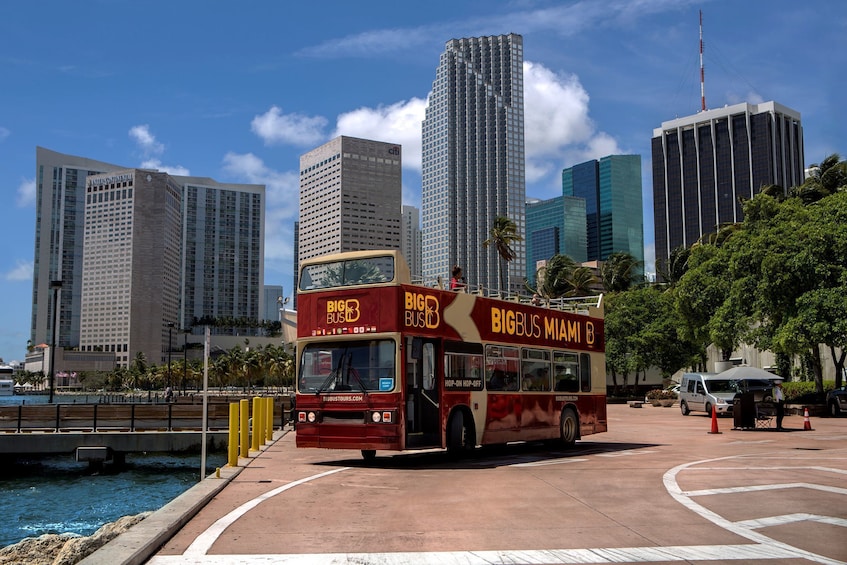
139,543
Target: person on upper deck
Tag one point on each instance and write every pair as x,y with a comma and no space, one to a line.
457,280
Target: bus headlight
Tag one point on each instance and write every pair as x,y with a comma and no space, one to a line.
311,416
385,417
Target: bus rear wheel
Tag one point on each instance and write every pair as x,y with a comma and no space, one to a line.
368,454
568,427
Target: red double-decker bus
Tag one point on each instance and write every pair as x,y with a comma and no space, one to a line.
384,364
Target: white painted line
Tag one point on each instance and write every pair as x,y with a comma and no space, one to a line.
553,462
790,519
204,541
627,453
743,552
672,486
754,488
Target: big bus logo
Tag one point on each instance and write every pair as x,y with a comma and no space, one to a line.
342,311
422,311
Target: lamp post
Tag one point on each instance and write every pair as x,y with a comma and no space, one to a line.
184,358
55,286
170,329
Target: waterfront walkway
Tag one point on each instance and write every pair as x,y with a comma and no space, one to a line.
709,497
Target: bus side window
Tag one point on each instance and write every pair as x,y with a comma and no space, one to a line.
428,366
585,372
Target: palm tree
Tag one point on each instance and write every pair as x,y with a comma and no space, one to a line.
619,271
672,270
503,234
581,282
824,179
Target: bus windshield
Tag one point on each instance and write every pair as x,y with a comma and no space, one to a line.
353,272
362,366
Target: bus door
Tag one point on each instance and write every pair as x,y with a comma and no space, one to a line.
423,418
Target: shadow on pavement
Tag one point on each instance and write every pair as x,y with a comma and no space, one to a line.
484,457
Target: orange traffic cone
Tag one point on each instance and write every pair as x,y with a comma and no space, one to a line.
714,421
807,425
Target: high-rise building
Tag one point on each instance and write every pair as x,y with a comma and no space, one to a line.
611,189
59,220
131,264
350,197
544,233
219,250
224,261
273,302
703,165
410,239
473,159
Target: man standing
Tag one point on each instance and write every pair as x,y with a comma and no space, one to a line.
779,401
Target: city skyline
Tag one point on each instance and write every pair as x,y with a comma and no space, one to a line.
598,76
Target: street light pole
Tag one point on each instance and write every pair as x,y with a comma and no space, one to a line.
184,359
55,286
170,329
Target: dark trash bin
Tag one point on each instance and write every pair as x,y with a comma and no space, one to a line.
744,411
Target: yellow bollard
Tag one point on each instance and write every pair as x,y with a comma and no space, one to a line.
269,418
259,430
232,448
254,437
217,472
244,415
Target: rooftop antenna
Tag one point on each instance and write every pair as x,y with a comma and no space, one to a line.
702,71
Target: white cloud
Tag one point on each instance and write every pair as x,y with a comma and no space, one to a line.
4,133
170,169
146,141
21,272
26,193
275,127
557,123
398,123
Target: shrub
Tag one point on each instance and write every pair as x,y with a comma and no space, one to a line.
659,394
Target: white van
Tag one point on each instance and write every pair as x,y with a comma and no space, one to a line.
701,392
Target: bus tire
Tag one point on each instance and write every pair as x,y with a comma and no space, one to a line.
368,454
569,427
458,439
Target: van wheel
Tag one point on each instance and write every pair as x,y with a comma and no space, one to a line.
683,407
834,410
708,409
568,427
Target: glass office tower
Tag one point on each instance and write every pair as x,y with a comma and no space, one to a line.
473,160
614,219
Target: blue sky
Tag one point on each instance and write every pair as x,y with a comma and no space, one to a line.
239,90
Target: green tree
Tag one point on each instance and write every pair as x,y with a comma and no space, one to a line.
502,235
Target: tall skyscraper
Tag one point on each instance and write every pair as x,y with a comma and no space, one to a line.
611,189
410,239
59,220
217,271
704,164
350,197
224,261
131,264
473,159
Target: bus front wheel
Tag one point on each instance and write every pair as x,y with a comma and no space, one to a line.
368,454
458,439
569,426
